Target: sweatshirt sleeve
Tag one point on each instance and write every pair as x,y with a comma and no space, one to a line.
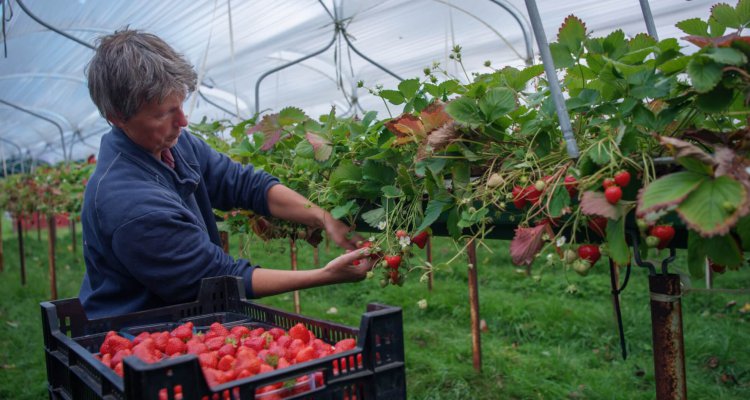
170,255
231,184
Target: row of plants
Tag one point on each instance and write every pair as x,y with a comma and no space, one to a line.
662,131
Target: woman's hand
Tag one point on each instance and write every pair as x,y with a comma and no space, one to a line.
349,267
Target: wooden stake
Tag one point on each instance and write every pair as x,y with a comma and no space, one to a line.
73,235
293,252
428,250
316,257
51,238
476,341
224,241
2,258
19,227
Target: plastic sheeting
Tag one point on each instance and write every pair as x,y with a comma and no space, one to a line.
44,100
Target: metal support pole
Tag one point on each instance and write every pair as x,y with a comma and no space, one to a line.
669,347
476,340
523,24
650,26
554,85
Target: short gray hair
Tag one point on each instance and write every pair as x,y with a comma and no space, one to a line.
132,67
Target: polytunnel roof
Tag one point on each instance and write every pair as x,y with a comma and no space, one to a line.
44,100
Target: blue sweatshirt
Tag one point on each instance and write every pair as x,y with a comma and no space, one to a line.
149,233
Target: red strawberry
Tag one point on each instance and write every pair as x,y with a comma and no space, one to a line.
622,178
195,347
114,343
665,233
420,239
306,354
147,351
219,329
208,359
227,349
300,332
598,225
613,194
225,363
175,346
532,194
401,233
183,332
589,252
344,345
393,261
240,331
215,343
608,182
276,333
519,197
571,185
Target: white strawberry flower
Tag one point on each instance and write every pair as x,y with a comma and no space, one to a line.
404,241
561,241
422,304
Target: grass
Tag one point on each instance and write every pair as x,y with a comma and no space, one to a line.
542,342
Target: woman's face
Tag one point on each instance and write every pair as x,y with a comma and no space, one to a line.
156,126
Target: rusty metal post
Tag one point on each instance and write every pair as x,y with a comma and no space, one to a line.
476,341
428,251
293,252
19,227
669,348
51,238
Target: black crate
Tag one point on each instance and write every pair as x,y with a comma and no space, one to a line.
71,339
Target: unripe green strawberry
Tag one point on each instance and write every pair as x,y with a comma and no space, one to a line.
569,256
495,180
652,241
582,267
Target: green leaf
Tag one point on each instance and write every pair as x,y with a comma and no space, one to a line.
496,103
705,209
695,165
674,65
392,192
727,55
408,88
343,210
572,33
723,250
696,255
586,98
668,190
368,118
393,96
304,149
346,172
452,224
405,181
374,217
716,100
743,231
291,115
322,147
704,73
618,247
460,173
520,81
465,111
693,26
561,56
726,15
743,12
600,153
431,213
560,200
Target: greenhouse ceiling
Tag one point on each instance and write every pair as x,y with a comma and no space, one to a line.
239,45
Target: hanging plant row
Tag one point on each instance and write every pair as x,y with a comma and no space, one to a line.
471,151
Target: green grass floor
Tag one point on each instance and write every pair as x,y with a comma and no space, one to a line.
549,336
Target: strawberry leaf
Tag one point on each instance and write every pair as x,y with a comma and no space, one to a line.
726,15
496,103
618,247
595,203
727,55
743,12
407,128
704,73
561,56
291,115
434,116
322,147
559,202
696,255
374,217
714,206
408,88
723,250
431,213
346,174
693,26
667,191
393,96
271,130
572,33
465,111
526,244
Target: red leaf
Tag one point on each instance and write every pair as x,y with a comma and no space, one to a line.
434,116
407,128
526,244
270,128
723,41
321,146
594,203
